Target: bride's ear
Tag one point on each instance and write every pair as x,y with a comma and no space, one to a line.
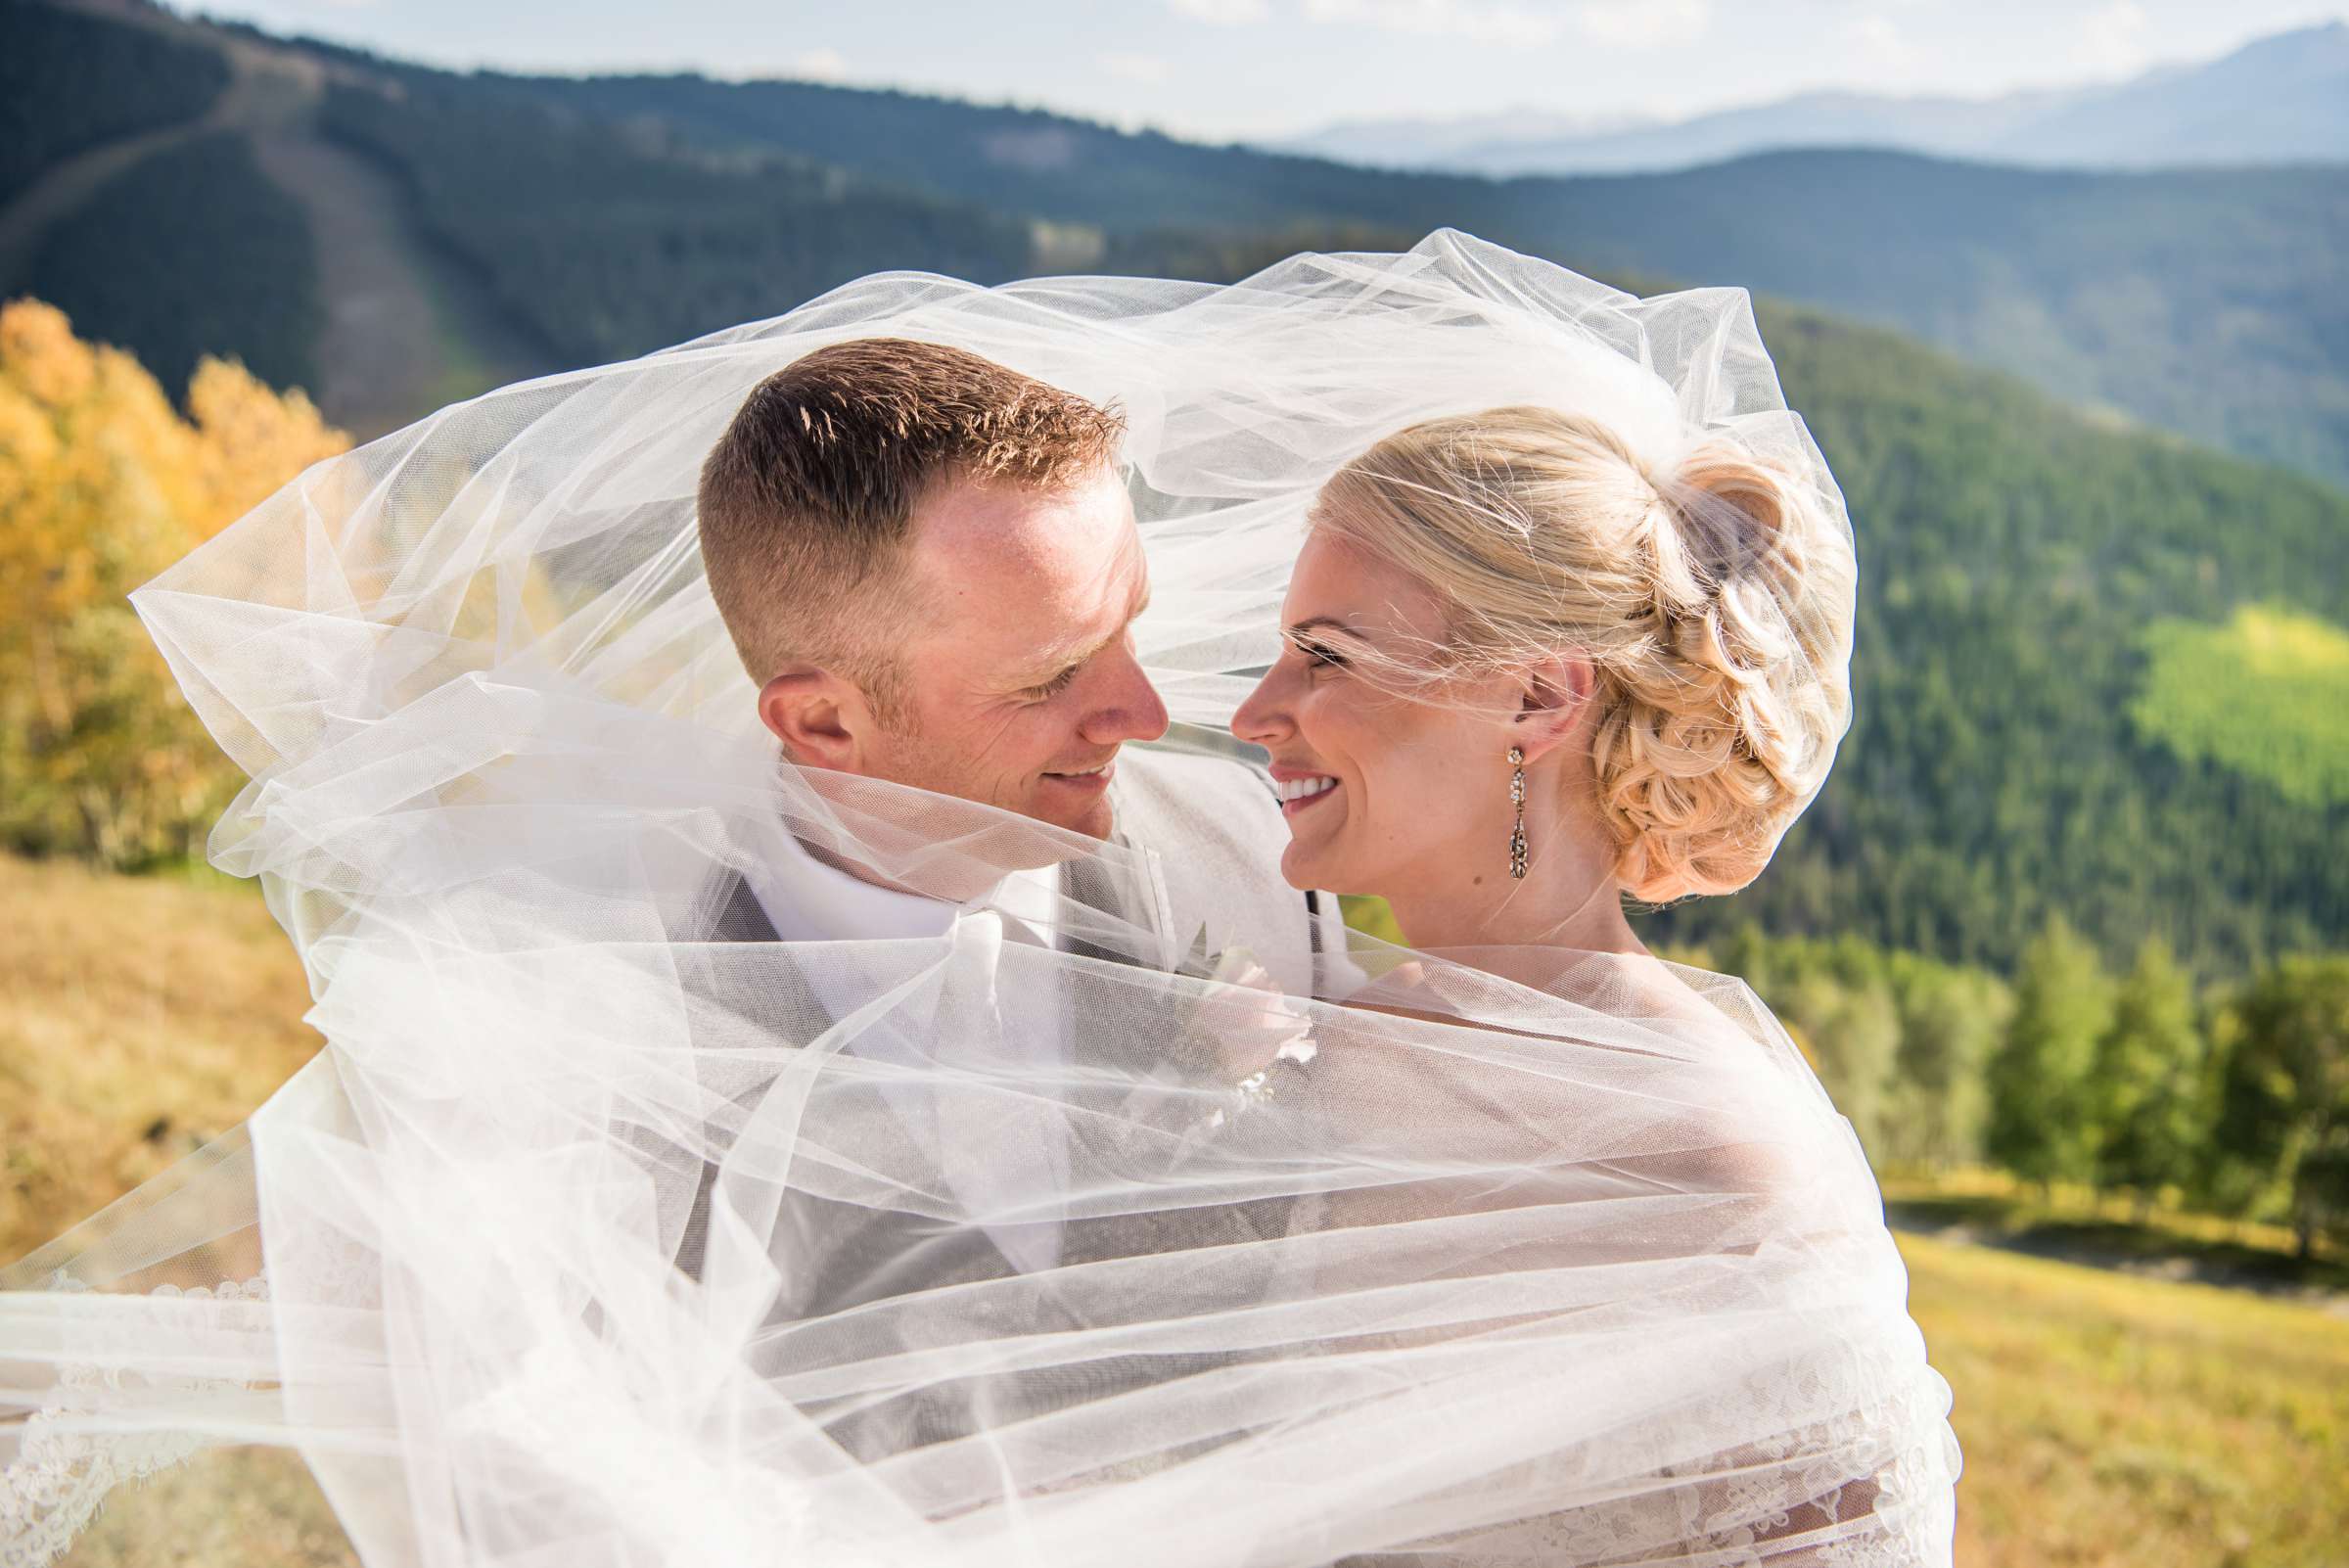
1552,697
820,717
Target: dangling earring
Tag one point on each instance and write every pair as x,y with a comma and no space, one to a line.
1517,798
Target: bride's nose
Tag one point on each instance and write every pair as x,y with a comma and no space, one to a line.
1263,719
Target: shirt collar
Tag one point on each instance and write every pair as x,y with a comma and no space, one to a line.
808,900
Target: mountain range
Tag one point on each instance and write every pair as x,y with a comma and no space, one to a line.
397,236
2280,99
2203,301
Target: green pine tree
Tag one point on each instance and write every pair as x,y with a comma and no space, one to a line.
2284,1108
2151,1109
1952,1019
2041,1123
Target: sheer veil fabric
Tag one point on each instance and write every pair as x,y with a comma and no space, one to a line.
607,1230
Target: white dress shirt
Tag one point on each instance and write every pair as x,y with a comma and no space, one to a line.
994,1150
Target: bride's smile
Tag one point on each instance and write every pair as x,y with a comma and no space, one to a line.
1300,789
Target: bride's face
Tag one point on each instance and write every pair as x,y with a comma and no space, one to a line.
1395,782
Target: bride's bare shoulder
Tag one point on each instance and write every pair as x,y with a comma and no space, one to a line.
1617,1000
1664,1056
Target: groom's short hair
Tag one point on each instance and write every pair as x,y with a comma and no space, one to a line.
808,499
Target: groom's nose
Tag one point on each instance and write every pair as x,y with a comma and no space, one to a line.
1129,707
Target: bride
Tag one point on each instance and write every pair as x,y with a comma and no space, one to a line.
1519,1246
1653,659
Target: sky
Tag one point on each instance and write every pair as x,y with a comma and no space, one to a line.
1236,70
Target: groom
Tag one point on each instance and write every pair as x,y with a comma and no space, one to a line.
929,563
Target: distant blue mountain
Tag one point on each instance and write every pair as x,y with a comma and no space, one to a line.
2280,100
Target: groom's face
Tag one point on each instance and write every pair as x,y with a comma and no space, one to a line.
1021,677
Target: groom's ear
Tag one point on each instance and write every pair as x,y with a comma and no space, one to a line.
820,717
1554,697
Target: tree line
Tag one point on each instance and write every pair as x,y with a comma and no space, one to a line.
2204,300
2229,1097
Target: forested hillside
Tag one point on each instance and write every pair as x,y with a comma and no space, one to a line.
610,243
189,252
69,83
2019,562
2206,302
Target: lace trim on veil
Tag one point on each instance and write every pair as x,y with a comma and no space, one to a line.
61,1476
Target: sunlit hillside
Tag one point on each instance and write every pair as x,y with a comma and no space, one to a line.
2267,693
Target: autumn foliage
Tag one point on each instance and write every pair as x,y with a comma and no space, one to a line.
103,484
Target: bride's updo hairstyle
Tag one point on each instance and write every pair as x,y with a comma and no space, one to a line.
1713,599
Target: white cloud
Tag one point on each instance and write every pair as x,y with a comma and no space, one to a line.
1877,40
1133,68
817,64
1486,21
1645,24
1222,13
1526,23
2114,38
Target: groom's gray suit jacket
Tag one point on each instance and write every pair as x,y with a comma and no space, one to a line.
1209,837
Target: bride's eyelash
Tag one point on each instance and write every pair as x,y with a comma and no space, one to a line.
1319,656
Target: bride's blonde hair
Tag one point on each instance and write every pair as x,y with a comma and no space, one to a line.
1714,602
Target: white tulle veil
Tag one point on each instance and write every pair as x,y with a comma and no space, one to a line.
602,1231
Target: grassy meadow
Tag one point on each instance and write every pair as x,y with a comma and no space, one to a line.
140,1018
2267,693
2108,1419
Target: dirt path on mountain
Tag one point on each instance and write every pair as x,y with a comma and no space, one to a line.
407,328
63,187
2122,1249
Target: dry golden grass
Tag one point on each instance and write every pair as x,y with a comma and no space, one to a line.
2011,1205
228,1508
139,1018
2108,1419
2113,1420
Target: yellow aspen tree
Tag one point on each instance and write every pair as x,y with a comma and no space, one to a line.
103,484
